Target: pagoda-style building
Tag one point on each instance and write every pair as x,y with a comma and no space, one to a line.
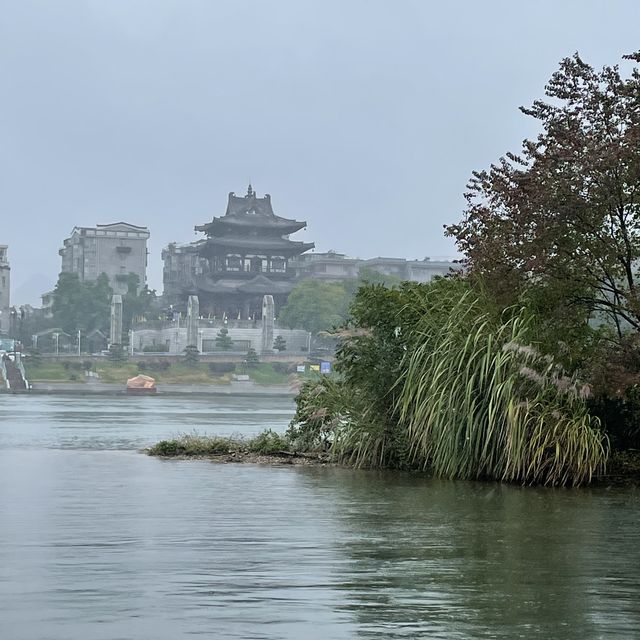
246,256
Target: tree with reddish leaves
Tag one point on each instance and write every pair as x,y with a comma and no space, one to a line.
559,223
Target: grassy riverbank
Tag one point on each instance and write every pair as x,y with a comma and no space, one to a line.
267,447
174,373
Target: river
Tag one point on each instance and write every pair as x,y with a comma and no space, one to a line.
101,542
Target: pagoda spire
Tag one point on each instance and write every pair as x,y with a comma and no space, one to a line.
250,190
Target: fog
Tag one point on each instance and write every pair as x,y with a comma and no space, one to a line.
364,118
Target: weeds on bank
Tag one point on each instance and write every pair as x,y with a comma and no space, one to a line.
267,442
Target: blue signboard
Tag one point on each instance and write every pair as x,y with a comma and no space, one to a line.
325,367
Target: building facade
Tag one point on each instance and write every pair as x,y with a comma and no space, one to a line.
5,289
336,267
116,249
245,256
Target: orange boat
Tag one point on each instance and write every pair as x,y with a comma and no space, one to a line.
141,385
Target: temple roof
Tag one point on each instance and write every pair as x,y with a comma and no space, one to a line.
248,212
258,285
272,244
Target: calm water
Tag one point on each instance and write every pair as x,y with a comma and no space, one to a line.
98,541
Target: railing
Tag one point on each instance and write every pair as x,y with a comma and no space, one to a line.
3,371
203,323
23,373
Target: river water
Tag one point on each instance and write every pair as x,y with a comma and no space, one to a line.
101,542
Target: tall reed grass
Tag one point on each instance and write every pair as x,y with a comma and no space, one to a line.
477,402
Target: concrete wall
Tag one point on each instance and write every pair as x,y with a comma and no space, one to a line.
176,339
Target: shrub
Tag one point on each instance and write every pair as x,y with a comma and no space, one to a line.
283,367
251,359
193,445
279,344
220,368
156,348
269,442
191,355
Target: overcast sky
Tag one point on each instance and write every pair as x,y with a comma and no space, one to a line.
364,118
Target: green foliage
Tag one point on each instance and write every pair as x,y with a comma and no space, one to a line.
81,305
434,376
367,275
266,373
191,355
562,216
268,443
251,359
137,302
192,445
34,357
478,402
315,306
279,344
223,340
117,353
322,408
156,348
220,368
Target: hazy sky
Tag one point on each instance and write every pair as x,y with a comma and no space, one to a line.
364,118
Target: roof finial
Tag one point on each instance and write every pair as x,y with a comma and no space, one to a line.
249,190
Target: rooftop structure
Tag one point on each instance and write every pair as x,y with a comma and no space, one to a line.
5,289
116,249
244,257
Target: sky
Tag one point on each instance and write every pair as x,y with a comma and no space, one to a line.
363,117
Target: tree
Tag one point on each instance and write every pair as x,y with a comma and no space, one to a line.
191,355
223,339
561,221
280,344
315,306
117,354
137,302
251,359
81,305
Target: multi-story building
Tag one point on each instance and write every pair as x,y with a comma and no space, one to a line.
248,253
116,249
5,290
244,257
335,267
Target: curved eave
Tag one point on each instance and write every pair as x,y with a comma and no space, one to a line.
276,246
224,224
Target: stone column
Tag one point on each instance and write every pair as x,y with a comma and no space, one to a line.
268,317
193,315
115,335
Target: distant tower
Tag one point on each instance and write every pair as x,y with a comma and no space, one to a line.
244,257
268,318
115,335
193,315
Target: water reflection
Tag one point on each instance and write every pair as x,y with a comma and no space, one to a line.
464,560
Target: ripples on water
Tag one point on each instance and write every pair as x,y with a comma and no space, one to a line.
100,542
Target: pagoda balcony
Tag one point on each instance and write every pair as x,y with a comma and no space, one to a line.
248,275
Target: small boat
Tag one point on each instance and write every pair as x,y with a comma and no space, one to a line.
141,386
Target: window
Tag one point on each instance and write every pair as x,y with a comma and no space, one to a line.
234,263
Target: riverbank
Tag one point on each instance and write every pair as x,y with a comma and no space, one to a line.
233,388
268,447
